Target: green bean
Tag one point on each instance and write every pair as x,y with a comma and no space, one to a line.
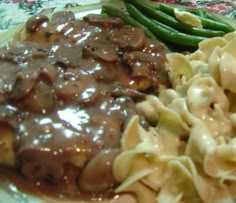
214,25
214,17
198,12
209,15
202,32
161,30
169,9
155,14
171,21
112,11
207,23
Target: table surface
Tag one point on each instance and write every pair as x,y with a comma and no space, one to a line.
14,12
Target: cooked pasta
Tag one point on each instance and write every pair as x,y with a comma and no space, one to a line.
189,153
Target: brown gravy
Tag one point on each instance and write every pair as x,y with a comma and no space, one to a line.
67,89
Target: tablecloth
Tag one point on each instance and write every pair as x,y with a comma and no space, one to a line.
14,12
224,7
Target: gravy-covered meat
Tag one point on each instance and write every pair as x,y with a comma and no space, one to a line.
67,90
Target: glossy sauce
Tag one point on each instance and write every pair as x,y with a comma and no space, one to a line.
67,89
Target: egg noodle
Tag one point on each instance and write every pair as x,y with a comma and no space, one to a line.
189,156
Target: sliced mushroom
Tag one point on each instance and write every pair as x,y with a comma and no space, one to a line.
100,49
76,85
25,81
41,99
104,21
7,79
97,175
7,151
21,52
128,37
62,17
35,22
8,114
49,72
66,53
122,91
102,71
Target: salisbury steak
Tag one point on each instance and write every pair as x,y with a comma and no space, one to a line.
67,89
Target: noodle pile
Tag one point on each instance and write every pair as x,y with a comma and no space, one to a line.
189,153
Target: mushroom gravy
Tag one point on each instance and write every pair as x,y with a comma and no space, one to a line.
67,89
